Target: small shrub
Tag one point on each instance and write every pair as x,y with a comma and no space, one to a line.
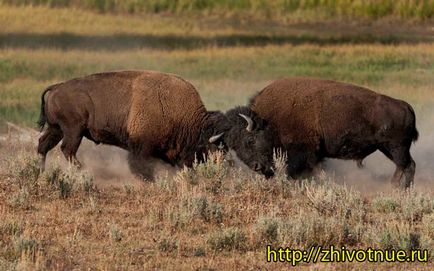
128,188
394,235
24,169
207,211
69,181
20,199
415,205
385,204
115,233
23,245
280,167
199,252
267,230
11,227
336,200
187,175
228,239
168,246
213,167
427,232
212,172
93,204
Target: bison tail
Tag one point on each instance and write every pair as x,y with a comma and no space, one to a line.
42,116
415,135
414,132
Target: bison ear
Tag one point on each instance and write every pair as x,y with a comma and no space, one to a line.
215,138
249,122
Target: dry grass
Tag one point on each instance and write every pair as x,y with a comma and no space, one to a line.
209,217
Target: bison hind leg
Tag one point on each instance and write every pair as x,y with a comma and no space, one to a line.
405,165
49,139
71,142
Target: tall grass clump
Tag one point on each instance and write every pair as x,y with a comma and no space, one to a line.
228,239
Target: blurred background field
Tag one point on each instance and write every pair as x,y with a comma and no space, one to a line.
229,50
227,59
312,9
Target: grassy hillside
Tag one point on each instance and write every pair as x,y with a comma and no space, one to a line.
419,9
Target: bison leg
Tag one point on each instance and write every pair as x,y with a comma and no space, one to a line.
47,141
140,166
405,165
71,142
409,173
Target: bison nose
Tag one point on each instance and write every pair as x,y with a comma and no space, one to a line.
269,173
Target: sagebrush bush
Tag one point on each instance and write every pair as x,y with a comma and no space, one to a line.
207,211
228,239
11,227
115,233
385,204
69,181
168,245
427,232
23,170
20,199
267,230
337,200
415,205
393,235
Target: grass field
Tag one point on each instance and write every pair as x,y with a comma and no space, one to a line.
213,217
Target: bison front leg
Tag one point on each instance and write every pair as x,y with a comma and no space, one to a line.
409,174
49,139
140,166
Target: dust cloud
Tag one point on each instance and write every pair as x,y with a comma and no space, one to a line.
109,164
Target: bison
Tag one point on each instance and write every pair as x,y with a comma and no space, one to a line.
315,119
148,113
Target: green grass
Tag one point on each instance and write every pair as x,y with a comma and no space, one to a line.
421,9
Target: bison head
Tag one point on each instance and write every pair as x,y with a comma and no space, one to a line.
251,138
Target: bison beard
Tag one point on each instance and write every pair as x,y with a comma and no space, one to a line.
315,119
147,113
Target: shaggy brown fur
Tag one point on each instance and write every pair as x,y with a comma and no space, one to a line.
148,113
317,118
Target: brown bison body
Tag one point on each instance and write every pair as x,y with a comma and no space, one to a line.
147,113
315,119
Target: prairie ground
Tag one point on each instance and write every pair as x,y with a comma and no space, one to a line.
214,216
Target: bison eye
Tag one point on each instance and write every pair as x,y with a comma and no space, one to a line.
251,142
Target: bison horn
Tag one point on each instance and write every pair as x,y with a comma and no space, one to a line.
249,122
215,138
